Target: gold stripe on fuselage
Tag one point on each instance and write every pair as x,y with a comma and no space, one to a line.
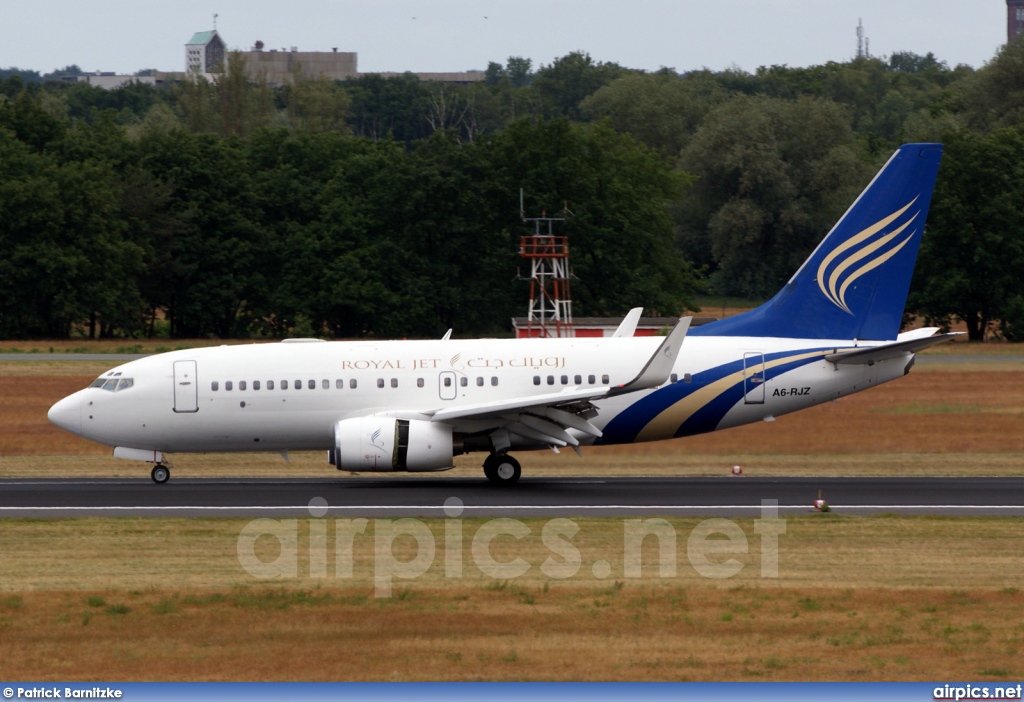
667,423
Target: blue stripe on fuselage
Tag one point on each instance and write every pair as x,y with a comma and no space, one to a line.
627,424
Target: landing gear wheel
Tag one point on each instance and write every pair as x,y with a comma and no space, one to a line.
161,474
502,469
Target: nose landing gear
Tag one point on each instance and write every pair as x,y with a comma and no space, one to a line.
502,469
161,474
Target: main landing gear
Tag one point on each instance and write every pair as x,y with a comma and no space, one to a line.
161,474
502,469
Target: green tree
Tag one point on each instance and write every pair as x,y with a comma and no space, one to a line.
388,107
564,84
316,105
662,110
993,97
619,191
772,177
63,257
972,254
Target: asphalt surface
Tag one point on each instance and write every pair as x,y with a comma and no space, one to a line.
366,496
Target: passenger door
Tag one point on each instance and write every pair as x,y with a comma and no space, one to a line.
186,387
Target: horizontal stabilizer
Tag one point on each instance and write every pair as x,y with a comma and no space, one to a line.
886,352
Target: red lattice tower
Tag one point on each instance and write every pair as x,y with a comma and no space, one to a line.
550,313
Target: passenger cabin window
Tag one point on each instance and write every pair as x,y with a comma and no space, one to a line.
536,380
494,380
674,378
227,385
339,384
270,385
591,379
284,384
604,379
215,386
255,385
394,382
463,382
447,382
241,385
380,382
298,384
551,380
578,379
480,381
326,384
565,380
419,382
353,383
311,385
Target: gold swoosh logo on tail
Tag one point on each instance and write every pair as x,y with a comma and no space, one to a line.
837,280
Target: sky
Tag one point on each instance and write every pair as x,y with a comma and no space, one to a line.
459,35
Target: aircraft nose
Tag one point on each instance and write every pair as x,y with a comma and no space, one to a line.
67,414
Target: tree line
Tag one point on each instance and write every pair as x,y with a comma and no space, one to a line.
390,207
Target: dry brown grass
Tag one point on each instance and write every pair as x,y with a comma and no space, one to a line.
817,550
886,598
514,634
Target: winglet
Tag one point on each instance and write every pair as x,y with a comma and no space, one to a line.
447,335
659,366
628,325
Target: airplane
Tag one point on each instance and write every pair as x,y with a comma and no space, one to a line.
378,406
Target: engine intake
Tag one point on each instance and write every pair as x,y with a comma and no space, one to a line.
384,444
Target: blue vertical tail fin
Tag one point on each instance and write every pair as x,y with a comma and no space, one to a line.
855,284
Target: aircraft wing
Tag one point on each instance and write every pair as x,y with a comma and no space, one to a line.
870,355
546,418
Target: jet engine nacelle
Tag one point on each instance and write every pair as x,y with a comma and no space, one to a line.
380,444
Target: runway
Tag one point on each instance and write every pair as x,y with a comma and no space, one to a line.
533,497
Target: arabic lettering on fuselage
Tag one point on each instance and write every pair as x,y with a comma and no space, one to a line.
481,363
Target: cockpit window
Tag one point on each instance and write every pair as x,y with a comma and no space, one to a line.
113,384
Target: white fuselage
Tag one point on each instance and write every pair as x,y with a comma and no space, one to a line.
206,400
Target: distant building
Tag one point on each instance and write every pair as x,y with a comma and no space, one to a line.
1014,19
279,67
204,53
110,80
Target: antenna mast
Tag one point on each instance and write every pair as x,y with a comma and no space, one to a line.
860,38
550,311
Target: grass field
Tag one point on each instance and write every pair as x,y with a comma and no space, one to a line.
856,598
890,598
